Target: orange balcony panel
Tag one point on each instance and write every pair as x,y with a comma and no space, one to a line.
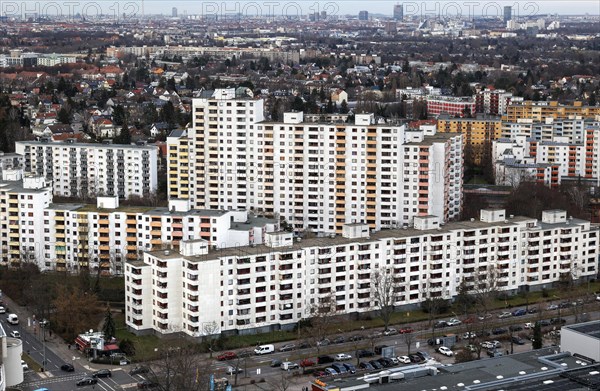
204,225
104,230
103,222
155,233
131,221
177,233
104,247
156,242
131,248
177,225
104,239
156,224
131,256
131,230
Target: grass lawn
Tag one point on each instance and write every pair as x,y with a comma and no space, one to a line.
34,366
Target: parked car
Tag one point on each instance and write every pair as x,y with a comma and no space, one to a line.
544,323
233,370
515,327
343,357
532,310
102,373
364,353
445,351
331,371
552,307
324,342
499,330
24,365
355,338
307,363
487,345
304,345
376,334
275,363
469,320
288,366
366,366
86,381
471,348
339,368
245,353
453,322
558,321
386,362
15,334
440,324
529,325
390,331
518,341
484,317
494,353
424,355
226,356
519,312
415,358
339,339
504,315
324,359
405,330
139,370
376,364
67,367
2,309
287,347
350,368
404,359
319,373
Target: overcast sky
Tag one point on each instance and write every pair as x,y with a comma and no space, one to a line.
464,7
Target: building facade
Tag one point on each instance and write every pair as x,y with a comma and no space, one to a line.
74,237
478,133
316,176
88,170
539,111
275,285
453,106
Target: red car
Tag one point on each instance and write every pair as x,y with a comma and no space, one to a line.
470,319
307,363
405,330
226,356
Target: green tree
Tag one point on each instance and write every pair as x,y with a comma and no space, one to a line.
127,346
537,342
109,329
119,115
124,136
64,116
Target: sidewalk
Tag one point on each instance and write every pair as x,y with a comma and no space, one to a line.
54,342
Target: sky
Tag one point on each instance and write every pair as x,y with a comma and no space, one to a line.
416,7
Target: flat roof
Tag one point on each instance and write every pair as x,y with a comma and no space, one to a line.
59,144
591,329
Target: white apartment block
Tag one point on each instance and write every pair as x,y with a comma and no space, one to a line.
317,176
275,285
572,130
549,162
22,202
73,237
89,170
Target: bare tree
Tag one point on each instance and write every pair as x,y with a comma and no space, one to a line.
284,382
209,331
323,321
485,287
383,287
409,339
181,368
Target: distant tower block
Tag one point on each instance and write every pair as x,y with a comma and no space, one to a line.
174,12
507,13
398,12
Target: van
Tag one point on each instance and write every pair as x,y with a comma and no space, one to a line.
12,319
339,367
264,349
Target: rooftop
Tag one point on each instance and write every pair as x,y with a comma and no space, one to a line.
592,329
88,145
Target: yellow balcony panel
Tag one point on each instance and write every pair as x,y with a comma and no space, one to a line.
130,247
103,222
60,235
104,230
370,187
60,243
156,224
104,256
104,247
104,239
60,252
59,217
13,226
131,221
14,235
131,230
15,252
156,242
13,209
132,256
14,243
340,209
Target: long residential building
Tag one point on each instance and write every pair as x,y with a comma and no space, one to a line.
100,237
316,176
201,291
549,162
539,111
89,170
454,106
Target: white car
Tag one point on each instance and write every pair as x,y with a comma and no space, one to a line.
390,331
445,351
15,334
453,322
2,309
504,315
343,357
233,370
484,317
288,365
529,325
24,365
404,359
